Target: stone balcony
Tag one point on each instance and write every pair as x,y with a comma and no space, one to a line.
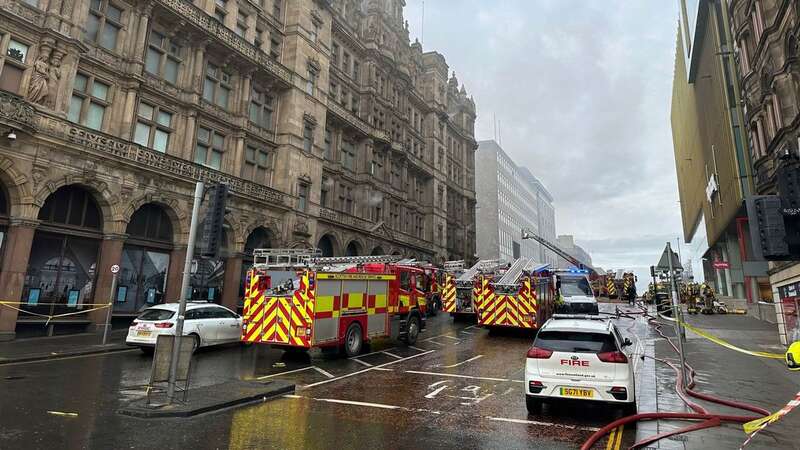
356,122
198,18
18,114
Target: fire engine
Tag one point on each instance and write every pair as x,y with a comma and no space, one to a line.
460,293
521,298
297,300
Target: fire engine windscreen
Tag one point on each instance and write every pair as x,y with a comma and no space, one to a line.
569,342
464,299
575,287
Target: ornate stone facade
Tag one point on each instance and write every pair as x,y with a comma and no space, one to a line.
119,107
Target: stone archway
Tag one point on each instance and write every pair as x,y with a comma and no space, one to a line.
327,245
377,251
354,248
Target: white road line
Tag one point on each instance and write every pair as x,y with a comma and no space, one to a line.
355,403
58,358
392,355
383,369
470,327
536,422
417,348
327,374
434,342
365,370
451,337
363,363
292,396
462,362
455,375
284,373
436,391
371,353
395,407
466,332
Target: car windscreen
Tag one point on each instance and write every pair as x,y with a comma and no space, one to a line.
156,314
574,288
575,342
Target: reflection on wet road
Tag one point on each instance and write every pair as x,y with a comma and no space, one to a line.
457,387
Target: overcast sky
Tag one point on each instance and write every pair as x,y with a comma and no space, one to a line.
582,90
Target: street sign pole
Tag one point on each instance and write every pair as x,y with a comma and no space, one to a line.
187,269
676,313
107,329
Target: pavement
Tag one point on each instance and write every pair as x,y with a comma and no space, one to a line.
727,374
64,346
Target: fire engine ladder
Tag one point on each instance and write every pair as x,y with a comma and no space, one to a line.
453,266
520,266
482,265
283,257
528,234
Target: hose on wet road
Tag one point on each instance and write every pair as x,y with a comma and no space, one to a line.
708,419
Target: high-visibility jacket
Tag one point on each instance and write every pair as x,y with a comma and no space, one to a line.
793,356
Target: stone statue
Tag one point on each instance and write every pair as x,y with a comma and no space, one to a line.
38,87
55,77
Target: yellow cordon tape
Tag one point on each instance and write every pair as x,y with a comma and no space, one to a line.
51,317
728,345
753,427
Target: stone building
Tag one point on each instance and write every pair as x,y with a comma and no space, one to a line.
767,37
331,129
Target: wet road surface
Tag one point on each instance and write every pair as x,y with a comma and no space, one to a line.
459,386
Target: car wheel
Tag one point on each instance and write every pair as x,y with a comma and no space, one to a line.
147,350
353,340
412,330
533,404
196,343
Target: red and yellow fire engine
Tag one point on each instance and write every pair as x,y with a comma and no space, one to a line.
460,293
296,300
522,297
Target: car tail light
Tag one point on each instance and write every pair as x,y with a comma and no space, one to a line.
535,387
164,325
134,323
539,353
619,392
613,357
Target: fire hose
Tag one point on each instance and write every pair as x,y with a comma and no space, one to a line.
709,420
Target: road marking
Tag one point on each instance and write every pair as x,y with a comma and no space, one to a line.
284,373
91,355
371,353
612,437
619,437
436,391
470,327
383,369
327,374
355,403
455,375
365,370
363,363
421,410
434,342
462,362
62,413
450,337
392,355
466,332
536,422
417,348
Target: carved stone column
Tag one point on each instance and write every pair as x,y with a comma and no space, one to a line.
140,44
17,250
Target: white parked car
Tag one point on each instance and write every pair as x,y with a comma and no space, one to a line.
207,323
581,357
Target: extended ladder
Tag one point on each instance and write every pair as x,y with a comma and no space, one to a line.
520,266
283,257
333,260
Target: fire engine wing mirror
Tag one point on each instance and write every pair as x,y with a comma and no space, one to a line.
627,342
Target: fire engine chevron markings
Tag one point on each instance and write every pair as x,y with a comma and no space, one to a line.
365,370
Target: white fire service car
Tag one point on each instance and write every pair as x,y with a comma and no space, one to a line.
581,357
207,323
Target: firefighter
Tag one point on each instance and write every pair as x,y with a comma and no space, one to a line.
793,356
693,292
707,293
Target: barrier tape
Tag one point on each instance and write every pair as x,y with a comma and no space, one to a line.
53,316
728,345
753,427
2,302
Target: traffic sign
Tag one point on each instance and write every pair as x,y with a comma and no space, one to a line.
115,268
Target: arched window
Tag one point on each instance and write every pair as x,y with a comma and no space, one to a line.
71,205
377,251
150,222
353,249
325,246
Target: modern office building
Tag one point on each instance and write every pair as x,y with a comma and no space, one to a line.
510,198
331,129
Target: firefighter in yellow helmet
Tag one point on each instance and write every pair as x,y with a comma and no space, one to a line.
793,356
